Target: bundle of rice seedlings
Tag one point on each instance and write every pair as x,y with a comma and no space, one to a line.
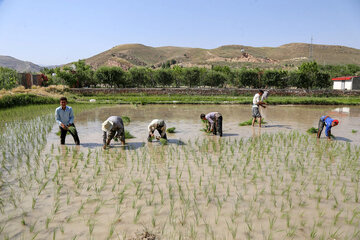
126,120
72,129
249,122
128,135
171,130
163,141
312,130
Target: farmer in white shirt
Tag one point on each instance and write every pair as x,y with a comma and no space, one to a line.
160,126
255,107
113,127
214,122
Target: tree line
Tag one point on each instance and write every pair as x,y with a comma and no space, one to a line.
307,75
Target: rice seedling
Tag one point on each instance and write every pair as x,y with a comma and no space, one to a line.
128,135
171,130
249,122
354,131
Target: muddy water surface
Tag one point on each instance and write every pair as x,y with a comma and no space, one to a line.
187,122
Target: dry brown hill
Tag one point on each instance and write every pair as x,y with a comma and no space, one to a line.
129,55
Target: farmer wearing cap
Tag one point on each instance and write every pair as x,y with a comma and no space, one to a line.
255,107
329,123
113,127
160,126
214,120
64,116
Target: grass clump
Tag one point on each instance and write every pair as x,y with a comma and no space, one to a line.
128,135
171,130
354,131
249,122
312,130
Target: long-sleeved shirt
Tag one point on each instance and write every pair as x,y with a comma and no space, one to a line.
65,117
327,122
117,130
157,124
117,123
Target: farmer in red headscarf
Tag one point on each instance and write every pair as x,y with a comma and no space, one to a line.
329,123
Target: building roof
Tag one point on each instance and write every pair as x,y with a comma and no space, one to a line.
343,78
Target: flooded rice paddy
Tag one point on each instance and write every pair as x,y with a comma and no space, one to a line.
274,182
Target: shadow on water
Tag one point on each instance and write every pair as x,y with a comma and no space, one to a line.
91,145
278,126
342,139
176,141
229,134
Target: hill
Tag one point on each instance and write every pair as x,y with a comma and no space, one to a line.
292,54
18,65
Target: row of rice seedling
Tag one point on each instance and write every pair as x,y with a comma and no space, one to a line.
276,186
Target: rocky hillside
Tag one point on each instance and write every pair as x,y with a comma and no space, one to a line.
292,54
18,65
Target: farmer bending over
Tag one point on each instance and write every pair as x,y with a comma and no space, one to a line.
113,127
64,116
329,123
160,126
255,107
214,122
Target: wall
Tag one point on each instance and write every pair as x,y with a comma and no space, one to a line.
337,85
213,91
348,85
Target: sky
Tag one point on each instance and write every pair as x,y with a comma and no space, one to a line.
51,32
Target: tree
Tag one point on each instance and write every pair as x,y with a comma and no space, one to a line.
178,74
322,80
164,77
8,78
275,78
192,76
112,76
77,75
248,78
139,76
214,79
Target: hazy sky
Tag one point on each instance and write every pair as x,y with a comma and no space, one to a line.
60,31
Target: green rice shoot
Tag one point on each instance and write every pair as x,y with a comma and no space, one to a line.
312,130
128,135
126,120
249,122
171,130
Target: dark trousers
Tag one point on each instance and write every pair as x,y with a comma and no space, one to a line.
321,125
74,135
218,126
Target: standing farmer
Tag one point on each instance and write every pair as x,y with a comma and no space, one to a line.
113,127
65,118
214,122
329,123
255,107
160,126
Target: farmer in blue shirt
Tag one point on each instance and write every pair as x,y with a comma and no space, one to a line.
65,118
328,123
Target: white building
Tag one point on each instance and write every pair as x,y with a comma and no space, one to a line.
347,83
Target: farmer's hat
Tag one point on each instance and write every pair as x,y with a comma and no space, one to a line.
107,126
